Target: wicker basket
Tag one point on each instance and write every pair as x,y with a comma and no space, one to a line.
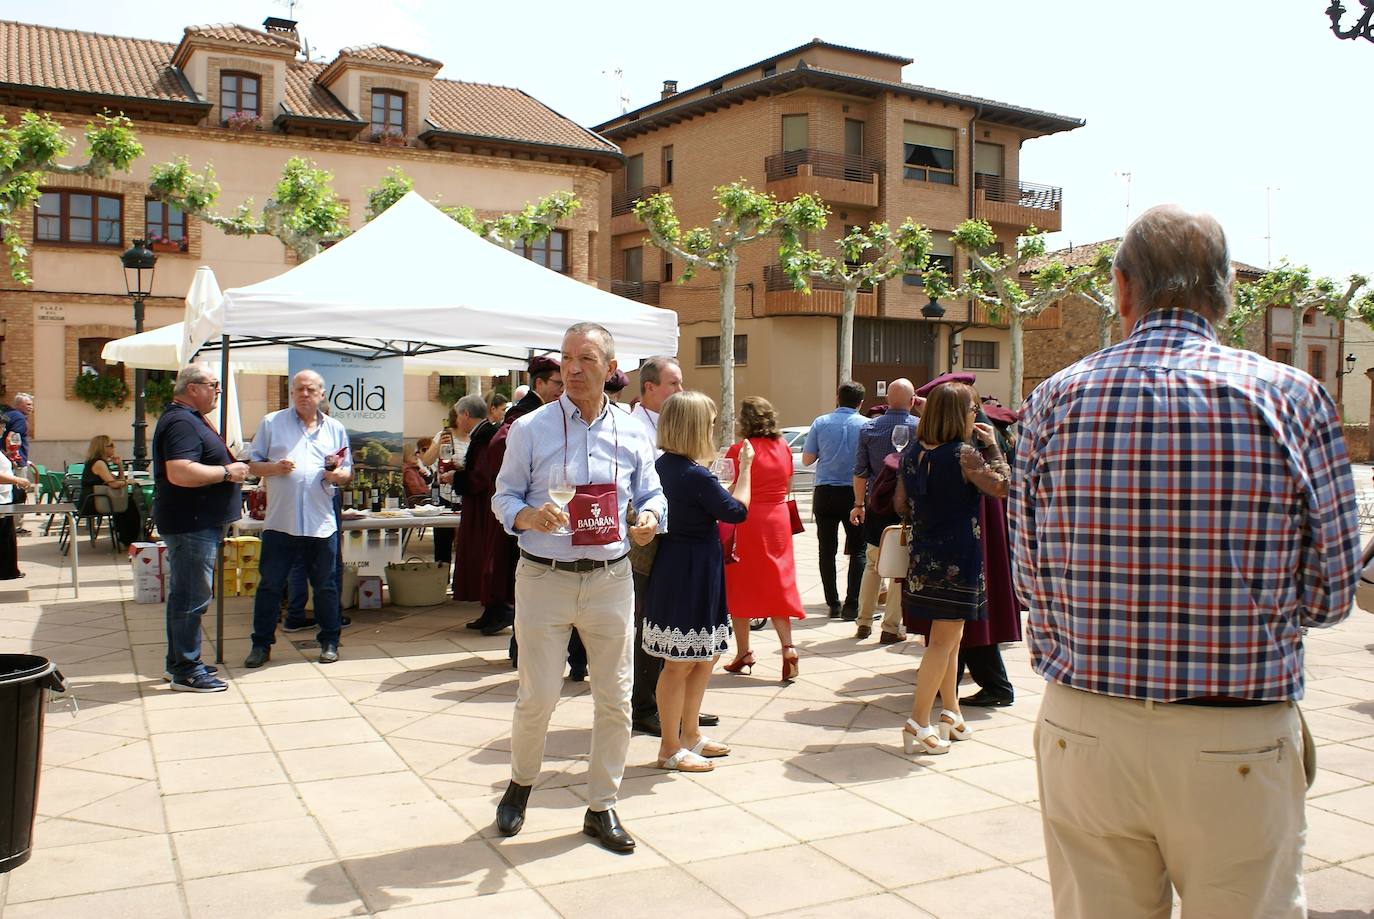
416,582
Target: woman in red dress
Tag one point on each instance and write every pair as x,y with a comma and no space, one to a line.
763,583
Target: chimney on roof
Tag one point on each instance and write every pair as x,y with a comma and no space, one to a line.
669,89
274,25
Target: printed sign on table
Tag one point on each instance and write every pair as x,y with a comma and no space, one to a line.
368,397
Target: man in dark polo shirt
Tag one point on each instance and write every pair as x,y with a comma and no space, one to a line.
198,495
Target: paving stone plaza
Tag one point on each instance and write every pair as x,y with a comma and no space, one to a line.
368,787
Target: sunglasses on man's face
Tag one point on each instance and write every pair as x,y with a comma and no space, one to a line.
213,384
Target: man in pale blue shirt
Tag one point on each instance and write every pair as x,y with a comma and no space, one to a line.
580,581
831,444
289,455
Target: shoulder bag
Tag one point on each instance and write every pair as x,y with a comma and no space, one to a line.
894,552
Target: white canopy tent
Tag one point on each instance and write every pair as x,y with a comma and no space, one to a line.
415,282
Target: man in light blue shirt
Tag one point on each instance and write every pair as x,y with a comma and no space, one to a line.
584,581
831,444
289,455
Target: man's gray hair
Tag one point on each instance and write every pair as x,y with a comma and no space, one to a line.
1174,259
589,329
313,374
21,396
651,371
472,405
189,375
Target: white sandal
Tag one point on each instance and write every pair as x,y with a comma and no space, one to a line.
958,730
685,760
705,746
927,738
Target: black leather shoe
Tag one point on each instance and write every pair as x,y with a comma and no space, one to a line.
510,813
834,611
479,623
498,624
707,721
257,657
577,674
605,826
849,612
984,699
648,724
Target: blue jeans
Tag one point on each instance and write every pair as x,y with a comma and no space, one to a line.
320,557
298,582
190,569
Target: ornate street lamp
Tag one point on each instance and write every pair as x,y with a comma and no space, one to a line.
139,263
933,310
1349,365
1363,27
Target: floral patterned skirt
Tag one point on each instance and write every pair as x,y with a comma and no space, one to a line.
945,578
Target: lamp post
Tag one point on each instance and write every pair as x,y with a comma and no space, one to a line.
139,262
1349,365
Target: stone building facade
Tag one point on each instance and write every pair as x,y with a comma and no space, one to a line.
489,147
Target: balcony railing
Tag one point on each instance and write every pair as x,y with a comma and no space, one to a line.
1021,194
774,278
643,291
823,164
623,201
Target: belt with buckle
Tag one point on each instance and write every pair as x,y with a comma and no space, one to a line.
1224,702
580,565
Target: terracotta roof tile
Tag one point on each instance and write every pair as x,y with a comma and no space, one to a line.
388,55
32,55
306,97
504,112
228,31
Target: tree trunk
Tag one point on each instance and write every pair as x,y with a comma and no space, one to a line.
725,430
1104,328
1015,322
851,298
1299,358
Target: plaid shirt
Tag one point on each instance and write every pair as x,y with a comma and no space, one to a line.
1180,510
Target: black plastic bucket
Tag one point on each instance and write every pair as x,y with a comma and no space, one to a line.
24,678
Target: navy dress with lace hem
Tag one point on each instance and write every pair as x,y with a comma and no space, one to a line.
945,579
685,615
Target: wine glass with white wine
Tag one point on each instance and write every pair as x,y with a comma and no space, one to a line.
723,468
561,492
901,436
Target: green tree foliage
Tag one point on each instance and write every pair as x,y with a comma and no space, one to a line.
32,148
868,256
995,282
303,211
1293,287
532,224
743,215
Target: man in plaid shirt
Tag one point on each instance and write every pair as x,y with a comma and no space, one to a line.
1180,512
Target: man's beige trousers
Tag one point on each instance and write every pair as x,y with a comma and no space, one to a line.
1136,795
549,604
870,587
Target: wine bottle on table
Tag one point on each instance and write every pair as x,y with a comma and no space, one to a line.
393,493
375,498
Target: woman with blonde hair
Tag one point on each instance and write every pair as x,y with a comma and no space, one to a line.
942,476
685,620
103,476
763,583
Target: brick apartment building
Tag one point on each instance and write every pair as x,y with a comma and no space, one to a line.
1075,335
839,123
493,148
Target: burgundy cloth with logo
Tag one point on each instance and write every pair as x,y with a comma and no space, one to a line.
594,515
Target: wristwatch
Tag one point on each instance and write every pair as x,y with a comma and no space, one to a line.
226,473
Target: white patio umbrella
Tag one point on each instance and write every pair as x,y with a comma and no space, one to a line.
204,320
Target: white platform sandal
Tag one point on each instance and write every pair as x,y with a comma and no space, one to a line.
958,730
917,739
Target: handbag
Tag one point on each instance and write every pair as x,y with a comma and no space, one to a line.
727,542
793,512
641,557
894,552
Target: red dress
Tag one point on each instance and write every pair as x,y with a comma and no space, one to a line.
763,583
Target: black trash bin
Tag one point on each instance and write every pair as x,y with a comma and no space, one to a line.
23,680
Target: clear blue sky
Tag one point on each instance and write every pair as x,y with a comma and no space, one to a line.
1204,102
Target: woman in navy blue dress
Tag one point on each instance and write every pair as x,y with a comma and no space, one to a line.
943,477
686,622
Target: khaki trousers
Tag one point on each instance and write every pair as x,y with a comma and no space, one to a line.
1136,795
870,587
549,604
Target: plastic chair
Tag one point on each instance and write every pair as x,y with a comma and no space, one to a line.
95,513
51,489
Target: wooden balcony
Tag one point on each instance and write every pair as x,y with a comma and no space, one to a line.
622,209
642,291
825,299
837,178
1018,204
1051,318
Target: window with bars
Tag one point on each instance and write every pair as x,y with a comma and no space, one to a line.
164,224
239,92
79,217
551,252
1283,355
980,355
1316,363
708,350
388,112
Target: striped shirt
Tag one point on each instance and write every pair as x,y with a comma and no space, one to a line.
1180,511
